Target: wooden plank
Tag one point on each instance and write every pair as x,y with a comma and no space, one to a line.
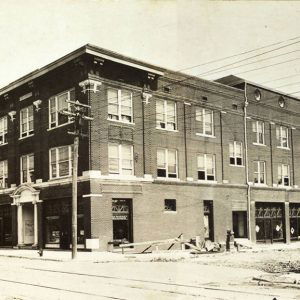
167,241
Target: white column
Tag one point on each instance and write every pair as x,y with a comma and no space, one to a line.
20,225
35,224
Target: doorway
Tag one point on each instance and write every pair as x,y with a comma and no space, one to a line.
239,220
122,221
28,224
208,220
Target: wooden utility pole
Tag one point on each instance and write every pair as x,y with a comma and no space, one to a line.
77,115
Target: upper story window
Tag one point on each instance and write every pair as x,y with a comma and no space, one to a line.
120,159
27,168
3,130
26,121
284,175
236,153
206,167
282,136
60,161
3,174
120,105
258,127
204,121
57,104
166,115
167,163
260,172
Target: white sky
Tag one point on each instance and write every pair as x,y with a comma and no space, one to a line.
172,34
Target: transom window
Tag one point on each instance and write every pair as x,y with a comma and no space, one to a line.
260,172
258,128
61,159
206,167
57,104
204,121
236,153
26,121
167,163
170,205
120,159
282,136
166,115
3,130
3,174
119,105
27,168
283,175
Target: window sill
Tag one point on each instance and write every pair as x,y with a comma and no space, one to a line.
207,181
120,122
25,137
167,179
62,125
170,212
3,144
206,135
260,185
238,166
60,177
258,144
165,129
283,148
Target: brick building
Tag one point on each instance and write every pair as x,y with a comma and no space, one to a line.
166,154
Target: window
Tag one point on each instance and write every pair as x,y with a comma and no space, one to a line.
3,174
119,105
206,167
260,172
258,127
120,159
166,115
57,104
204,121
26,121
235,153
167,163
27,168
170,205
282,136
61,161
3,130
283,175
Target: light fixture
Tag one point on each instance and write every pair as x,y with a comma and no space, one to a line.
37,104
12,115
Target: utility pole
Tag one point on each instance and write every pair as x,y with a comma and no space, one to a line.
77,115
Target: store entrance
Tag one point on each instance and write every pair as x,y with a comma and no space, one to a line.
122,221
270,225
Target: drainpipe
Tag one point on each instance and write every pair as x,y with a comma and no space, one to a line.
246,163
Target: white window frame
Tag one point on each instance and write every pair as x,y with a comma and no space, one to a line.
120,160
27,132
255,126
4,175
203,113
235,156
279,136
54,124
3,132
166,163
70,161
206,175
281,176
165,115
28,170
119,103
258,172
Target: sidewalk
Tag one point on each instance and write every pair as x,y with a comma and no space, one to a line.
102,257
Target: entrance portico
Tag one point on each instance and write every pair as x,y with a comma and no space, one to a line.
26,198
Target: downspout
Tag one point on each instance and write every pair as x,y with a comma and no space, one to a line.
246,163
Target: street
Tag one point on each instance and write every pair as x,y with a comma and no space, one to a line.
203,277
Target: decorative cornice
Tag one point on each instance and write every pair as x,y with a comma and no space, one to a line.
90,85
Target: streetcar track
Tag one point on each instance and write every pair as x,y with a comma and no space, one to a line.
154,282
60,289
